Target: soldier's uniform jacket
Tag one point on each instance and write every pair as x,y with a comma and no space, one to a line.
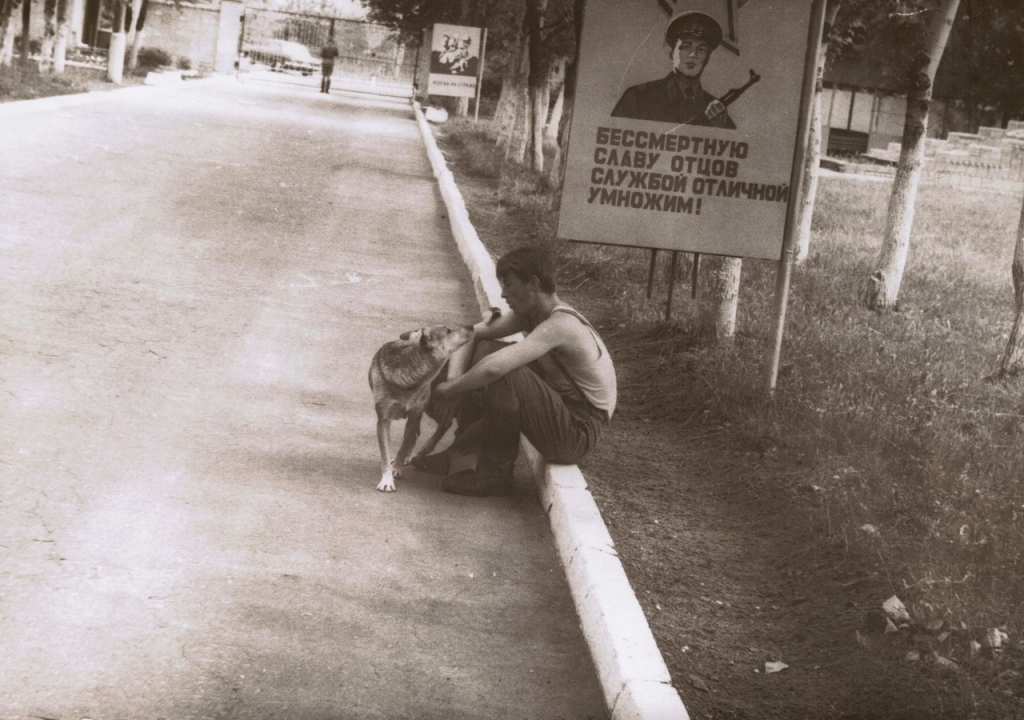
667,100
328,53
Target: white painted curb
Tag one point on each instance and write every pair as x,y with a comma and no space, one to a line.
632,672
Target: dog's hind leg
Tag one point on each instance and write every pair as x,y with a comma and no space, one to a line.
387,476
412,432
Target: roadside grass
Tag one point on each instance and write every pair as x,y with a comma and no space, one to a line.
891,420
29,83
17,83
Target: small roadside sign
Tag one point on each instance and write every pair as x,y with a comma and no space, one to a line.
456,61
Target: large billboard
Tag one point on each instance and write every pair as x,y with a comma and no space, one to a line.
685,125
454,61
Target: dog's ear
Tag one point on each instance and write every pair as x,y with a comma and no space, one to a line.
424,343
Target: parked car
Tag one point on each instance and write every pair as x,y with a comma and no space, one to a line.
282,55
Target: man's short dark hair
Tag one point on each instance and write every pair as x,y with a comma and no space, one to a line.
527,262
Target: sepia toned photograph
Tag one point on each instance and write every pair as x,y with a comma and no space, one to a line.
511,359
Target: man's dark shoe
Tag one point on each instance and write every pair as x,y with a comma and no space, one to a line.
436,464
479,484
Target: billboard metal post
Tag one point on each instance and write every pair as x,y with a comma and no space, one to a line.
694,274
650,272
671,285
785,269
480,77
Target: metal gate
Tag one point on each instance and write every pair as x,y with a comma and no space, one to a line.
285,47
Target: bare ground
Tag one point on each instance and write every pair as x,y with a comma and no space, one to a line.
731,553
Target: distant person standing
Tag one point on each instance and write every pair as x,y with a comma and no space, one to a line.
327,54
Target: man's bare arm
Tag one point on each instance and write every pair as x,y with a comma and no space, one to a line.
487,329
542,340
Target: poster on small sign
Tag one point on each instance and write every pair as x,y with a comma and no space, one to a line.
685,125
454,61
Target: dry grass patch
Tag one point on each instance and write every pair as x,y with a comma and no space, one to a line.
910,455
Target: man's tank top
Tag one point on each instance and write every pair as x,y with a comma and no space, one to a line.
595,381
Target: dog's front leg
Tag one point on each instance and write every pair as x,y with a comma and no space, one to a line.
412,432
387,476
434,439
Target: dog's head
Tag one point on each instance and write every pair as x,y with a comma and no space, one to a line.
440,341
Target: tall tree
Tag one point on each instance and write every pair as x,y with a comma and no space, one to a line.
49,30
557,172
813,158
115,55
883,285
136,32
985,52
26,26
7,29
60,46
537,81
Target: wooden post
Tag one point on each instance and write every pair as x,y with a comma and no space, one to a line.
694,271
650,273
671,285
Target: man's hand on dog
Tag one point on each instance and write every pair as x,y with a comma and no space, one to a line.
441,393
444,410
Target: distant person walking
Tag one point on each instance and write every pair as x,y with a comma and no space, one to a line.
327,54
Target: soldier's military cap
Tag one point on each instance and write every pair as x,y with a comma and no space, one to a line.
694,26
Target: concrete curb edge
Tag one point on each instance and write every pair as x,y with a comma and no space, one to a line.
633,675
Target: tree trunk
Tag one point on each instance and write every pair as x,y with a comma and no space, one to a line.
465,13
26,26
60,48
812,162
135,35
115,55
537,81
539,101
503,108
718,309
557,84
49,33
1013,358
132,59
511,85
7,44
7,8
883,287
557,172
516,134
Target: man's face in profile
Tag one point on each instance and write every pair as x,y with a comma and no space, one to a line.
689,56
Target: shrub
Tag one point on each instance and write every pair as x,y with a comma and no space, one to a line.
184,63
150,58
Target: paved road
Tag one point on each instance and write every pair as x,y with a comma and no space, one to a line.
193,282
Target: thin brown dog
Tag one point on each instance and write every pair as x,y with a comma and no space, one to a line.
402,376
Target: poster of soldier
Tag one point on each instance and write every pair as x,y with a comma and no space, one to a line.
684,130
454,60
